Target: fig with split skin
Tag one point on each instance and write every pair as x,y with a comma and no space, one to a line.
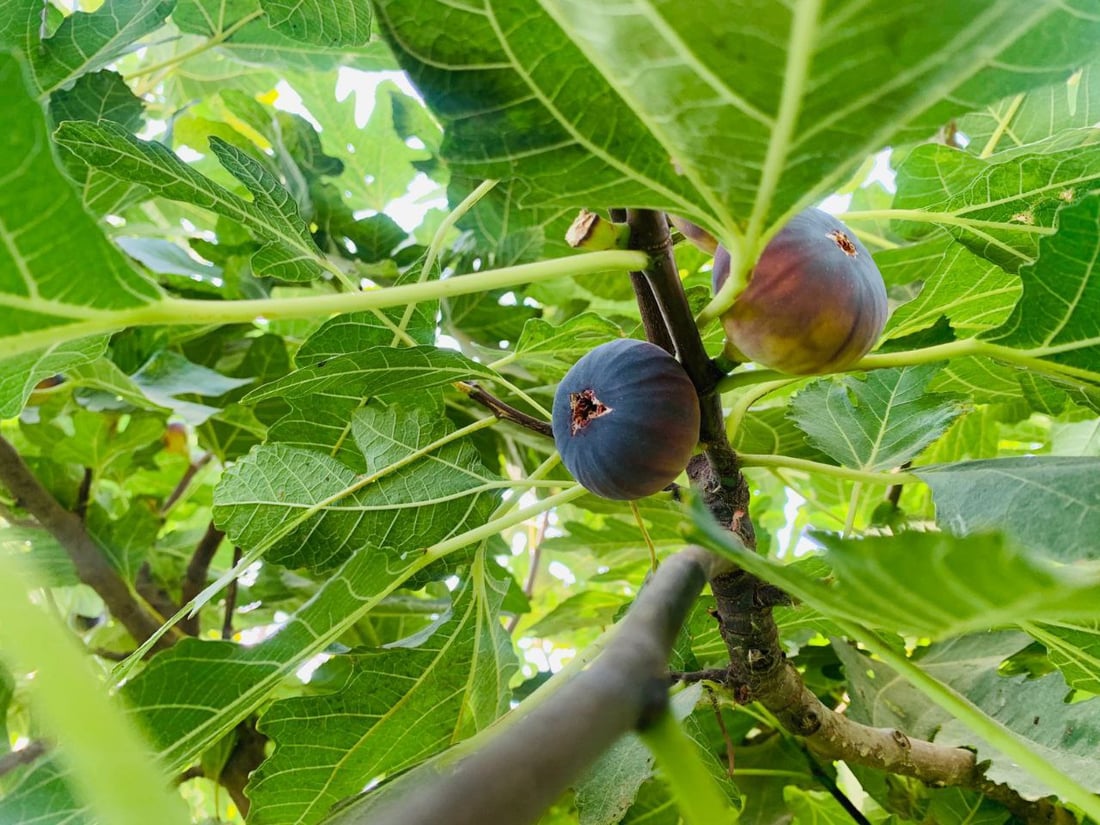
815,302
626,419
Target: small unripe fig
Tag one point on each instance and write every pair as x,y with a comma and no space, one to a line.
626,419
695,233
815,301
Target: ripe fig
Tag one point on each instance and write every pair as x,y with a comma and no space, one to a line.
626,419
815,301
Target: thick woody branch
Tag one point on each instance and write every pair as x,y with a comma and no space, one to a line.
522,770
91,564
760,672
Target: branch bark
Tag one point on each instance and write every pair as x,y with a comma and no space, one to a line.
91,564
759,672
194,580
521,771
24,756
653,321
649,234
505,412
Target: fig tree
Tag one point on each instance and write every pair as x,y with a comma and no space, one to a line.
815,302
626,419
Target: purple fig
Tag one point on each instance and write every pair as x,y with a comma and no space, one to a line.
626,419
814,303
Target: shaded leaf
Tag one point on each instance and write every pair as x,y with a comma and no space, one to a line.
1049,504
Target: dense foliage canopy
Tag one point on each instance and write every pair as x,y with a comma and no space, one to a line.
285,296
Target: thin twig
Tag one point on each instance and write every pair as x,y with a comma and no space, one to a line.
653,321
730,752
80,509
185,482
231,599
505,412
194,580
533,570
24,756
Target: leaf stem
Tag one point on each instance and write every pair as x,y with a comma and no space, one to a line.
180,311
945,218
453,217
205,46
496,525
698,796
992,731
846,473
1002,127
1032,359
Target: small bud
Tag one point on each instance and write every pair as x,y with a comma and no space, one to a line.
590,231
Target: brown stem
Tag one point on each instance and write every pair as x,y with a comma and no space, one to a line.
533,570
194,580
760,672
653,321
649,234
505,412
231,599
185,482
24,756
91,564
83,493
247,754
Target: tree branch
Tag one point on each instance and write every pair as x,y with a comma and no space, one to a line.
503,411
649,234
759,672
231,599
653,320
185,482
194,580
91,565
522,770
24,756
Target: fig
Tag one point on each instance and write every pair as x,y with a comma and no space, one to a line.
626,419
815,302
694,233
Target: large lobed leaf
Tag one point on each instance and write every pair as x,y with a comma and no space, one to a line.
877,421
56,266
393,708
313,511
733,117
